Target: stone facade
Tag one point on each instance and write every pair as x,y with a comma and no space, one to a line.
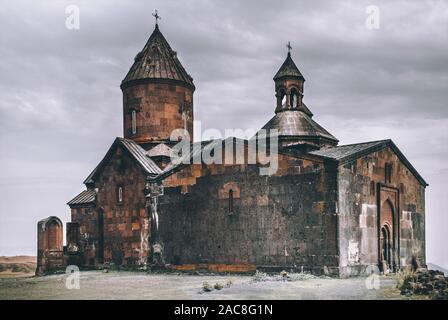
125,221
331,209
159,109
369,200
274,222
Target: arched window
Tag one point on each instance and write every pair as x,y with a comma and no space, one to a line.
134,121
230,201
293,98
372,188
281,98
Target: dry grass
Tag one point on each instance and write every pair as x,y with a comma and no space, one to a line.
404,277
18,266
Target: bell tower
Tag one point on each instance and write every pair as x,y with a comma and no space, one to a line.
293,122
289,83
157,94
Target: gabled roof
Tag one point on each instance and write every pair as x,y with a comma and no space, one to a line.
343,152
160,150
135,151
350,152
157,61
295,123
85,197
195,152
288,69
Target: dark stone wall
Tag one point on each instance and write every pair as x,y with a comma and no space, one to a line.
363,193
276,221
87,241
311,214
126,223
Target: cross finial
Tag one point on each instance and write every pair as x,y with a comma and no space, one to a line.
156,16
289,47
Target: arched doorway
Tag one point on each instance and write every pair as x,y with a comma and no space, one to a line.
387,235
386,245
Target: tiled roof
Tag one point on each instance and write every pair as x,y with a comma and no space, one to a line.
342,152
137,152
160,150
157,61
195,152
288,69
302,107
86,196
140,155
354,151
295,123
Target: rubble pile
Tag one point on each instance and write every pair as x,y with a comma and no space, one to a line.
425,282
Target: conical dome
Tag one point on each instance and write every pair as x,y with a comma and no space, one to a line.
298,128
288,69
157,61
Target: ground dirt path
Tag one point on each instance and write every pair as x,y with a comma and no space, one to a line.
132,285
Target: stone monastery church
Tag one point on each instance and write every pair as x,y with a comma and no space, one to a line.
328,208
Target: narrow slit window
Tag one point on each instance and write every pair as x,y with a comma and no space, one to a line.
120,194
134,121
388,172
372,188
230,201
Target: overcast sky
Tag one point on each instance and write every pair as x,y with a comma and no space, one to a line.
61,105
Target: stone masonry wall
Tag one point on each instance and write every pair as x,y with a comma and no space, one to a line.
160,109
286,220
126,224
87,239
362,187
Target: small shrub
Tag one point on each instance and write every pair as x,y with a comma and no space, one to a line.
206,287
260,276
218,286
301,276
284,275
19,268
405,279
